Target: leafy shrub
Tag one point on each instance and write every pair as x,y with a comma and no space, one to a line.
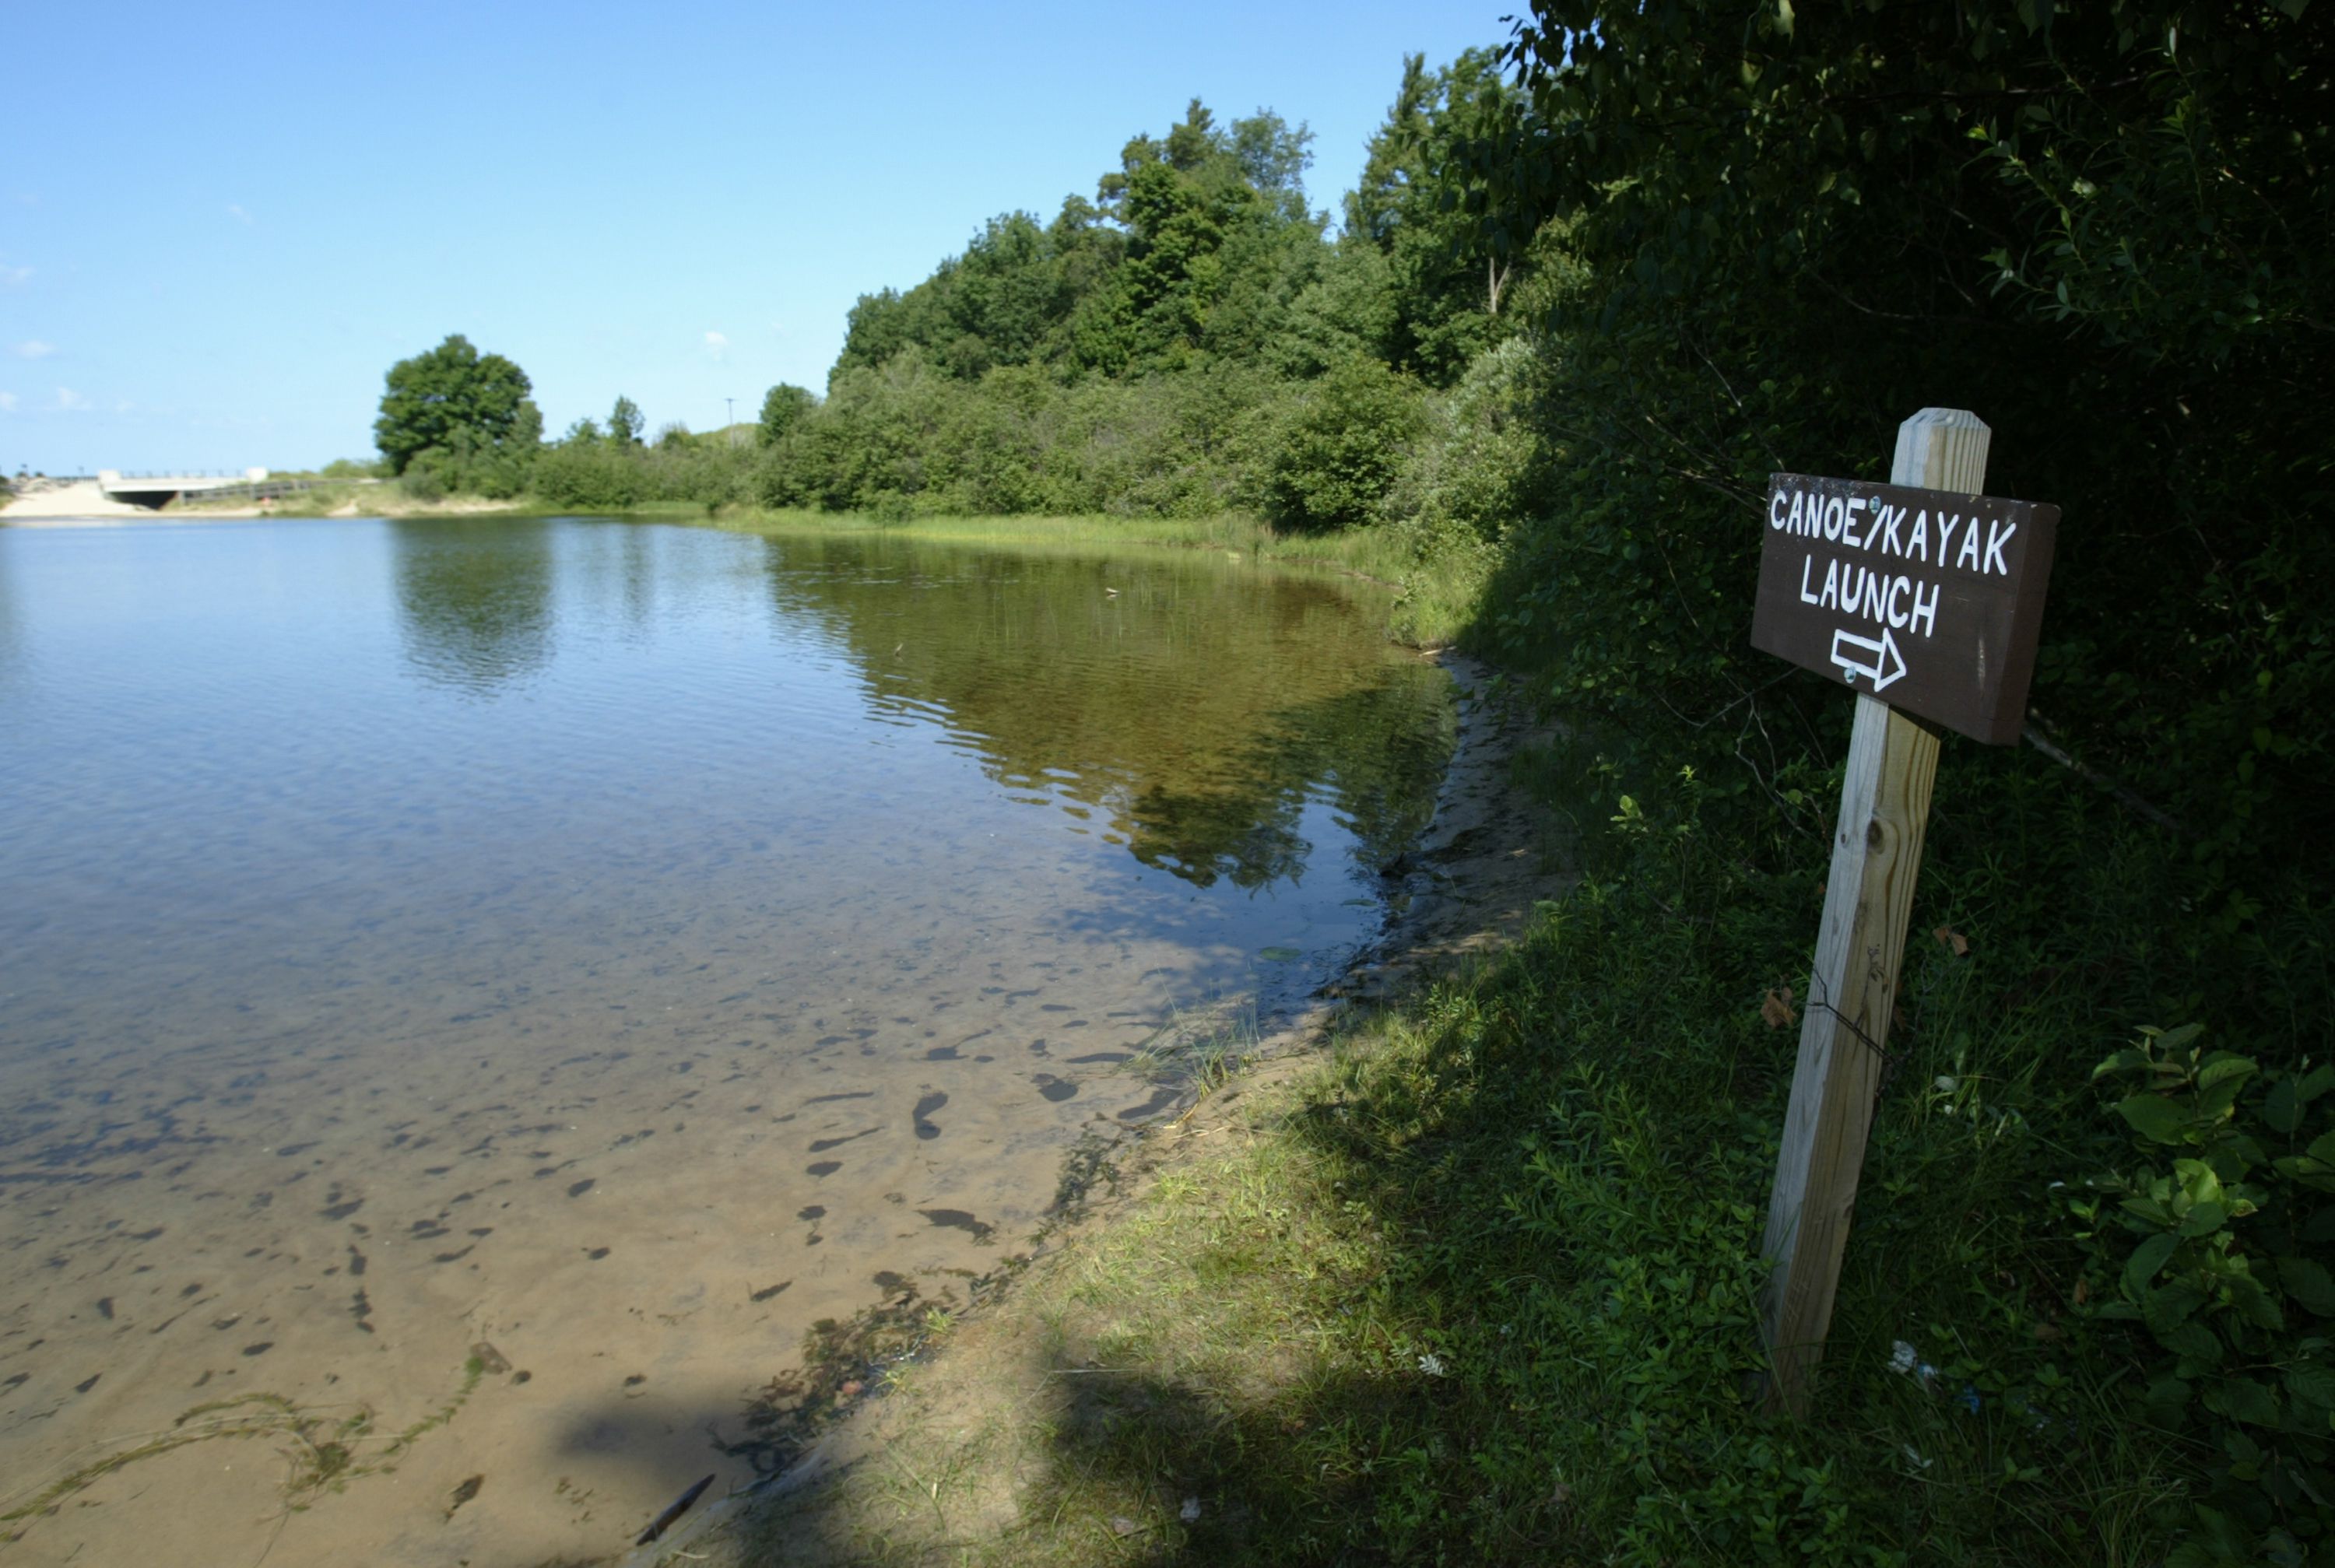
1475,468
2216,1245
1342,446
595,475
425,478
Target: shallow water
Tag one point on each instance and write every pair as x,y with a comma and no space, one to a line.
476,995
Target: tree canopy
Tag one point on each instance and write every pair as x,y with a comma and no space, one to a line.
625,423
783,406
1181,254
450,396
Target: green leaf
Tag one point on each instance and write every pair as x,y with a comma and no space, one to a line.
2316,1082
2194,1340
2254,1304
2166,1398
2282,1105
2155,1117
2315,1166
2242,1400
2147,1260
2213,1103
2309,1282
2222,1066
2173,1039
2168,1306
2204,1218
2312,1384
2199,1181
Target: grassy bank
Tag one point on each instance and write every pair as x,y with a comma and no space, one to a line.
1435,589
1478,1280
1479,1283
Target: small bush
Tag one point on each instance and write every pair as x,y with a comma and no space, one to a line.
1343,445
2215,1244
425,478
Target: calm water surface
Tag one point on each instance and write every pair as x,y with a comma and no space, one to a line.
531,973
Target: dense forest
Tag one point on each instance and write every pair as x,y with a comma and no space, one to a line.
1192,340
1597,283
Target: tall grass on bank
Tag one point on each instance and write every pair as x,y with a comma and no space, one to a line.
1437,581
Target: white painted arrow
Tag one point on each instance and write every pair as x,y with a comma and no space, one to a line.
1885,652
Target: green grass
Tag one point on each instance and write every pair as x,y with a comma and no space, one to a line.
1436,589
1479,1283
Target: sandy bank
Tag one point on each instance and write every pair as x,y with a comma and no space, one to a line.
961,1420
81,501
82,505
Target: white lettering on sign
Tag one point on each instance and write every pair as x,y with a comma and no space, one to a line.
1901,601
1864,523
1928,599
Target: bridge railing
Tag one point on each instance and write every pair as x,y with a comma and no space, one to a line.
264,490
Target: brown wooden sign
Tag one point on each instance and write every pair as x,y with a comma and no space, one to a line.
1926,599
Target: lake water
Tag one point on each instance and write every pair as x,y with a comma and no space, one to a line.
474,995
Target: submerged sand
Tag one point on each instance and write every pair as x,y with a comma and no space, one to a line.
497,1295
1490,857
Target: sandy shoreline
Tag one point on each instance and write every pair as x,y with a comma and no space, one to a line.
82,505
1475,879
279,1339
312,1259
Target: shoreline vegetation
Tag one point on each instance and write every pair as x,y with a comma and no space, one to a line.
1434,592
1474,1277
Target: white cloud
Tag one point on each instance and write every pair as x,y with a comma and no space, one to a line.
717,344
7,403
33,348
12,275
236,212
71,401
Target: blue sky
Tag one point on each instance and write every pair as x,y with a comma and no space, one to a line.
218,228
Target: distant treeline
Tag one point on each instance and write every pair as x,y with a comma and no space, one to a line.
1192,340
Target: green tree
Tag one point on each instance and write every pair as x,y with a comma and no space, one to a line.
783,408
1192,249
1343,448
625,423
1447,277
2105,227
451,388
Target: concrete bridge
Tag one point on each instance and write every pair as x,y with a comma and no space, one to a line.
154,491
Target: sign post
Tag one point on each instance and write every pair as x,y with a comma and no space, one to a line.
1925,597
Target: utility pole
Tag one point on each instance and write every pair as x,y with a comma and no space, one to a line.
730,404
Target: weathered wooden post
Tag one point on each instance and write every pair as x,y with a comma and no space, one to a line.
1844,569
